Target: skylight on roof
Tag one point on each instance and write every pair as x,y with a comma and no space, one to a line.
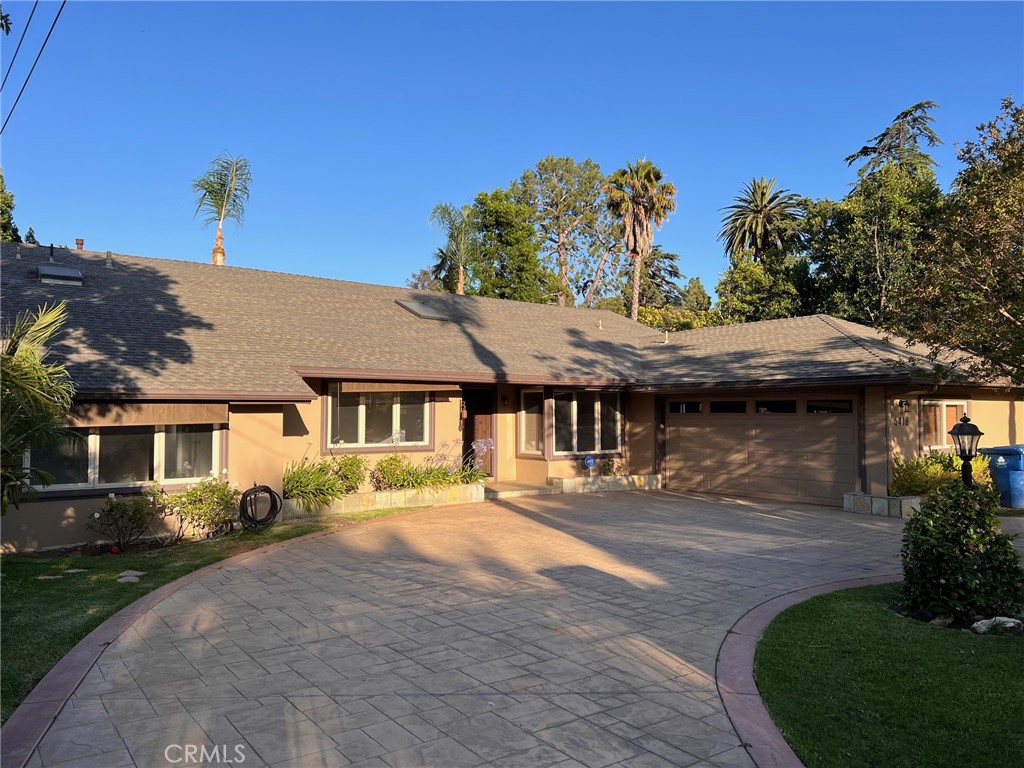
421,310
54,274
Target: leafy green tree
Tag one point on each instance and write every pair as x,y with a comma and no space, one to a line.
762,219
750,290
968,296
639,198
223,192
694,296
461,251
510,266
5,21
865,248
566,200
35,395
30,237
901,142
8,229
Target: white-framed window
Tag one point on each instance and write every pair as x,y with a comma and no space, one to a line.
937,418
360,419
531,421
587,422
102,457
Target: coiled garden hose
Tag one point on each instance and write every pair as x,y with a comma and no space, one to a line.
248,509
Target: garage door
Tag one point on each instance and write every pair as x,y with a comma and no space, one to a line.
790,449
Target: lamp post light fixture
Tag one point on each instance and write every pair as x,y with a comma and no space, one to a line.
966,437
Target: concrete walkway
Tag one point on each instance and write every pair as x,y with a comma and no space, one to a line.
544,631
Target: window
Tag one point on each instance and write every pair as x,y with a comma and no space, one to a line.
361,419
531,422
775,406
130,456
686,406
937,418
587,422
188,451
728,406
830,406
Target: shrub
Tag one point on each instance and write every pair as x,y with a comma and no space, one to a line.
350,470
956,562
122,521
208,506
921,475
312,484
393,473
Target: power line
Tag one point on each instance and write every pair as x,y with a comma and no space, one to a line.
29,76
21,39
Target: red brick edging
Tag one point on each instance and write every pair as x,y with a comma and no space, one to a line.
734,674
28,724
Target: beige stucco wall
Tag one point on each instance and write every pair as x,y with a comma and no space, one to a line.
999,416
641,434
255,452
876,441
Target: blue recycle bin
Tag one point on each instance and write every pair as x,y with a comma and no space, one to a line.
1007,466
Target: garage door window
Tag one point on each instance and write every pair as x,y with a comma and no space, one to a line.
775,406
686,406
937,418
587,422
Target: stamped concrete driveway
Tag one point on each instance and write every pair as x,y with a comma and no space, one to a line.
547,631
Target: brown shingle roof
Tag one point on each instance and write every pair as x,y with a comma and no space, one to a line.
815,348
159,326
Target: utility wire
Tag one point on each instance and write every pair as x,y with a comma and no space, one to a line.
29,76
21,39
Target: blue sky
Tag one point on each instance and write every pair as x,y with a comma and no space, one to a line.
358,117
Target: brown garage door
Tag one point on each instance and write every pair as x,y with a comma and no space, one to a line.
790,449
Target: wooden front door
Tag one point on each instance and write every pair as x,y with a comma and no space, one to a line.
479,422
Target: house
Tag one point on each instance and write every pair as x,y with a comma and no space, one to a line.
186,368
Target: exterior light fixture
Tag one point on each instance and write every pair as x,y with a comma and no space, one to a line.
504,400
966,437
904,406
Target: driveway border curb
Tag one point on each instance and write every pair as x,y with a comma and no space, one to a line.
734,673
30,722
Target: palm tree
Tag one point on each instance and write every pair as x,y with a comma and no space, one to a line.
223,192
637,196
461,249
762,218
34,396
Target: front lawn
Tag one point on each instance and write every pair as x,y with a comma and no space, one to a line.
850,682
44,618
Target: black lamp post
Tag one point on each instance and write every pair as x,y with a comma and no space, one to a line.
966,437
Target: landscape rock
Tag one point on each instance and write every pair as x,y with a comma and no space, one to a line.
998,625
128,579
48,578
941,621
76,570
132,573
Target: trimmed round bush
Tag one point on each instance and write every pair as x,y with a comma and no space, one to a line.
956,561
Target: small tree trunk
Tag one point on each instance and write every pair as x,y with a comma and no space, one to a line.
596,282
460,288
638,262
563,270
218,256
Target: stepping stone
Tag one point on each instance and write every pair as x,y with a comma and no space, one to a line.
132,573
128,579
48,578
76,570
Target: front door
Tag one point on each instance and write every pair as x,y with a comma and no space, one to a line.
478,422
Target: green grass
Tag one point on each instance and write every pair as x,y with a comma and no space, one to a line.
850,682
44,619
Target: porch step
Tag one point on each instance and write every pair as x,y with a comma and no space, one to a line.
510,490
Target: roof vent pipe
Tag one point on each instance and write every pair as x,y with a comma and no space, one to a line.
17,251
79,244
110,263
600,324
666,338
51,253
